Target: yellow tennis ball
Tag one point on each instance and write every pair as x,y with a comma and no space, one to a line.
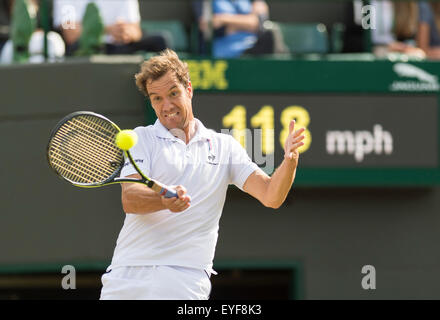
126,139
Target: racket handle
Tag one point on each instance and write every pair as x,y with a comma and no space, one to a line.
159,188
168,193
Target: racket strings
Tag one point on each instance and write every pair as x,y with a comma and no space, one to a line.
100,140
81,158
68,130
78,168
70,171
83,150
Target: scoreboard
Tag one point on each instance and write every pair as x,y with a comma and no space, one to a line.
341,131
366,124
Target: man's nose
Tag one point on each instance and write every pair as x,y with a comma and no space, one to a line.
166,104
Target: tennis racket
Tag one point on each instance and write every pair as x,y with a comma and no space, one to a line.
82,151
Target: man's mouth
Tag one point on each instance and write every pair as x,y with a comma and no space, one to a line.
172,115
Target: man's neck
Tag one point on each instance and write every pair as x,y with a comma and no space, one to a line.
186,134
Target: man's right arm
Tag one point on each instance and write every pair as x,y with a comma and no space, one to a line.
242,22
139,199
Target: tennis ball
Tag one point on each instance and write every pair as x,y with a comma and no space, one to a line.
126,139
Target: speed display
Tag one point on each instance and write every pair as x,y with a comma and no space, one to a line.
342,131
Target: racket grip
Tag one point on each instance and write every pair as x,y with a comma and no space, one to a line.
168,193
159,188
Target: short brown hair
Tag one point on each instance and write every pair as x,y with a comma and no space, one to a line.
159,65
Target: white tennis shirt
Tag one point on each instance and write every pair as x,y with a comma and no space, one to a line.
205,167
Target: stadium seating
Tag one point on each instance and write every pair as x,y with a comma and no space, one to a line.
302,38
172,30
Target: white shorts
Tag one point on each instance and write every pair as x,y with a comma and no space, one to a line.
156,283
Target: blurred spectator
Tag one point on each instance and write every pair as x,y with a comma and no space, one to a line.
121,18
26,41
353,34
428,37
5,14
237,27
396,28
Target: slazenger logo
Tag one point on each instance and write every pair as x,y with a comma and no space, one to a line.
426,81
360,143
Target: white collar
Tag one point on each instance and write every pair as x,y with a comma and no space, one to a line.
201,132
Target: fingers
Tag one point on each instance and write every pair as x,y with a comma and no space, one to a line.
296,143
120,32
299,131
116,34
175,204
291,126
181,193
181,203
294,147
294,140
298,139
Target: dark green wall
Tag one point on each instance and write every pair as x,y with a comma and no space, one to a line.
334,232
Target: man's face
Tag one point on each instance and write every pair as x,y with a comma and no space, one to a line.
171,101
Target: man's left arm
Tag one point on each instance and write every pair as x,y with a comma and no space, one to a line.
242,22
125,32
272,191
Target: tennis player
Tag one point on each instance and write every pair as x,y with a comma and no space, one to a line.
166,247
